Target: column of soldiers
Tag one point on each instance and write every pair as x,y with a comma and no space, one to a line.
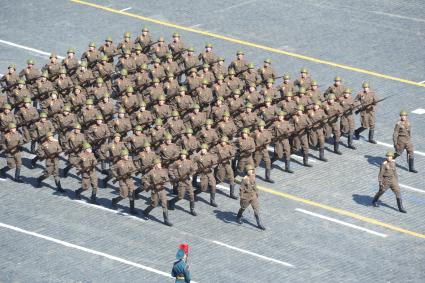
156,109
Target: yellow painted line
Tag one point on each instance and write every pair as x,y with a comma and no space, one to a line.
242,42
342,212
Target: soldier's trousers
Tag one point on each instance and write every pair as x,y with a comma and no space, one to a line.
157,196
253,201
52,167
207,180
73,159
301,142
127,188
402,144
244,161
225,171
347,124
392,184
14,160
26,134
367,119
283,148
262,154
317,137
335,130
89,179
186,186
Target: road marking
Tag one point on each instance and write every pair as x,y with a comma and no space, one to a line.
341,222
422,82
399,16
412,188
419,111
246,43
253,254
27,48
126,9
87,250
234,6
392,146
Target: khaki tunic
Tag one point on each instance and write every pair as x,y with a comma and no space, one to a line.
281,132
246,149
122,170
334,110
224,169
316,134
249,194
189,143
49,151
97,136
155,180
367,116
402,138
87,166
227,129
347,119
182,171
388,178
74,146
169,152
262,140
301,139
146,161
12,143
41,129
205,163
25,118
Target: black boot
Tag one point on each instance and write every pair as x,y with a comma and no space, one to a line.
115,201
358,132
147,211
274,158
166,221
371,133
105,181
132,210
239,216
212,200
34,162
232,191
192,208
350,141
305,160
39,180
194,181
197,191
288,166
175,189
32,147
66,170
172,203
268,179
18,175
322,155
103,167
259,224
93,198
58,185
396,155
3,172
336,148
400,206
412,165
78,193
375,200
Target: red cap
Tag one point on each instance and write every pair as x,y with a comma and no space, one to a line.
184,247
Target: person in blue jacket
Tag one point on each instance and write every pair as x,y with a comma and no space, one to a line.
180,268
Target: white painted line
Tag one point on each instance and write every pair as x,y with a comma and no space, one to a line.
234,6
294,156
422,82
119,212
399,16
419,111
27,48
392,146
220,186
412,188
341,222
253,254
87,250
196,26
126,9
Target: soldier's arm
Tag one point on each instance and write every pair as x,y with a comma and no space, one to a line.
395,133
381,172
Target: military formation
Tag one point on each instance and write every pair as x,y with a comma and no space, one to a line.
146,108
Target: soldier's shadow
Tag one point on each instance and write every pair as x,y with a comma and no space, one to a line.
374,160
366,200
225,216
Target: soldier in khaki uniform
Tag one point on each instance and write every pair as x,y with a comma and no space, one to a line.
246,146
88,114
402,138
144,39
12,142
251,76
175,125
155,182
77,99
63,84
205,162
97,135
169,151
26,117
142,117
282,130
387,178
347,118
287,85
225,153
196,119
219,109
126,43
262,137
49,150
6,117
239,65
337,88
157,133
106,106
288,105
304,79
91,56
122,171
41,128
301,123
70,62
249,196
121,124
267,72
183,102
86,167
227,127
333,111
73,146
182,172
109,49
208,134
53,67
316,134
368,101
135,142
233,82
208,55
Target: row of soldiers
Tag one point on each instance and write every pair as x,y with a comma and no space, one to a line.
171,120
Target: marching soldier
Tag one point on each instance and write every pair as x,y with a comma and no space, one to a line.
282,130
53,67
142,116
249,196
387,178
239,65
208,134
251,76
70,62
403,140
113,153
126,44
347,119
98,135
337,88
189,141
157,133
73,146
287,85
175,125
208,55
301,123
10,80
86,167
246,146
41,128
304,80
144,39
262,138
267,72
233,82
121,124
91,56
88,114
77,99
368,100
197,118
316,134
26,117
135,142
205,162
12,143
6,117
31,75
106,106
183,102
334,110
63,84
109,49
225,153
16,97
227,127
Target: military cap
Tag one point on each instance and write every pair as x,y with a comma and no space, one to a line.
365,85
168,136
268,60
127,51
286,77
124,152
145,29
155,80
191,49
21,81
12,126
220,59
261,123
117,135
138,47
127,34
157,161
389,153
27,99
77,126
138,128
182,88
106,94
209,122
249,167
99,117
288,94
176,34
49,134
175,113
83,63
281,113
208,45
62,71
196,106
303,70
204,146
71,50
99,80
205,82
45,74
249,105
331,96
53,55
86,145
245,131
232,72
237,91
161,39
142,104
252,84
184,152
337,78
130,89
302,90
318,103
347,90
240,52
146,144
168,55
270,80
124,72
12,66
224,139
7,106
220,98
268,99
403,112
121,110
77,87
226,114
193,70
109,38
189,131
220,77
170,75
158,122
30,62
161,97
66,108
251,66
300,107
205,65
43,115
89,101
314,83
92,44
144,67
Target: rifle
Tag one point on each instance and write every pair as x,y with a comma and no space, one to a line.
363,107
9,88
